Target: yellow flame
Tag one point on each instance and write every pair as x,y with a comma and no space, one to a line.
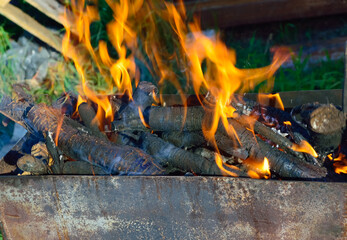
258,170
219,163
120,35
219,76
221,79
271,99
340,163
288,123
305,147
142,118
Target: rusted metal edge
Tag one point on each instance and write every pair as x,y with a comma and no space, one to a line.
107,207
290,99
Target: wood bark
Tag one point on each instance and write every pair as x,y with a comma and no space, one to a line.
76,142
178,158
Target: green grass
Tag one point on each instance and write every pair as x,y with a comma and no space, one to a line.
7,75
255,53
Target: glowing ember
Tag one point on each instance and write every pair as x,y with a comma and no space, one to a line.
305,147
340,163
258,170
288,123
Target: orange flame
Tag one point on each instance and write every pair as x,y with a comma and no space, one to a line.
305,147
340,163
258,170
271,99
288,123
219,163
142,118
221,78
59,125
120,35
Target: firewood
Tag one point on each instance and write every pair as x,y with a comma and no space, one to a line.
184,139
31,25
325,124
82,168
173,119
6,168
35,166
141,99
89,119
76,141
178,158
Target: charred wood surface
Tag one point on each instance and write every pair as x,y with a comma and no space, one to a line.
184,138
76,142
178,158
174,119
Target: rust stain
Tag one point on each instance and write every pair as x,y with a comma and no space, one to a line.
61,216
171,207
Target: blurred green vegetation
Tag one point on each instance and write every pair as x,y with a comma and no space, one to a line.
326,74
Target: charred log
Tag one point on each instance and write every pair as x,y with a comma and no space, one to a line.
178,158
82,168
76,142
184,138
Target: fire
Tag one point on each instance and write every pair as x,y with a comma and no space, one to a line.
142,118
271,99
258,170
288,123
120,35
305,147
219,77
340,163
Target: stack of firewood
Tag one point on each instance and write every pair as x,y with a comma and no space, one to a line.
153,139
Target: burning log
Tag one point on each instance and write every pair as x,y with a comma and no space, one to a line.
89,119
178,158
190,119
76,142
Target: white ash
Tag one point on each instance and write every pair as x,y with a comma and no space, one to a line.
278,131
82,129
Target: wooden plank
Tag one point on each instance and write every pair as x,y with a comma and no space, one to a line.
4,2
51,8
226,13
31,25
54,10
